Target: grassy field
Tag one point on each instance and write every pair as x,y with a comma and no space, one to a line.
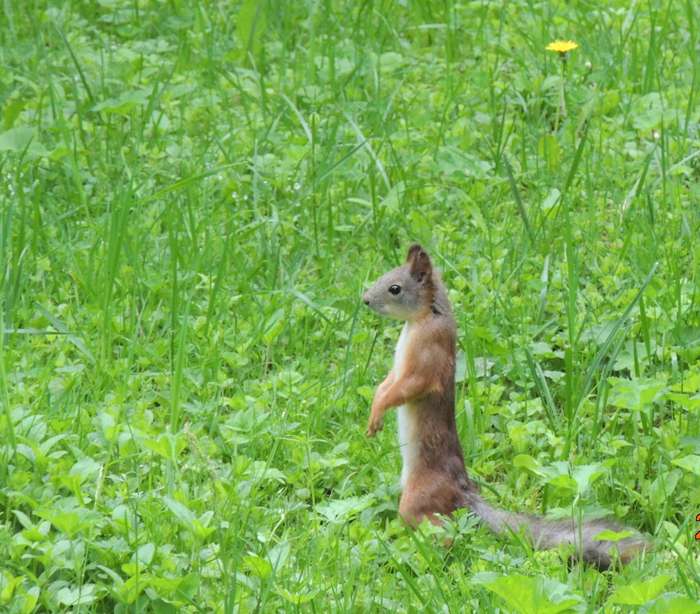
193,197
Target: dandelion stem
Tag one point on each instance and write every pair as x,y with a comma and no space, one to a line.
561,109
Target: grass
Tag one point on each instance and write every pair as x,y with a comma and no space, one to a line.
193,197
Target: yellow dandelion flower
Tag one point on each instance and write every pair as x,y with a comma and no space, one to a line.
562,46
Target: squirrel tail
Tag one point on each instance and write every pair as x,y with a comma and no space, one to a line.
549,534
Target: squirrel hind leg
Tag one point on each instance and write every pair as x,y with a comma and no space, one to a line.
427,495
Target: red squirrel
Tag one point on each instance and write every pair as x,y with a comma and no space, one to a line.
421,384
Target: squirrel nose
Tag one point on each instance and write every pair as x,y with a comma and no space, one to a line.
365,300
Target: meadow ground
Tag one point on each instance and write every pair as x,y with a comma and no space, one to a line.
194,195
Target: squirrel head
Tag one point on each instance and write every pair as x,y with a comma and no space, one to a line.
406,292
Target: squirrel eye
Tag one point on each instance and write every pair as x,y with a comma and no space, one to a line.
394,289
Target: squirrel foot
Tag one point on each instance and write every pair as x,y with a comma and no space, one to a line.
374,426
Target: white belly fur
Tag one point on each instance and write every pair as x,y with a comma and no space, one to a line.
408,442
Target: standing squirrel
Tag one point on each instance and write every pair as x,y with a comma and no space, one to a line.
422,385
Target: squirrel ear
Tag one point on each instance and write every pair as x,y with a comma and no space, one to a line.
419,263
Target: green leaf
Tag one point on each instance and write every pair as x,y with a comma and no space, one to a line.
525,461
648,112
689,463
393,197
183,514
167,445
673,603
24,520
342,509
86,468
181,586
251,24
198,526
21,138
59,325
165,587
528,595
639,593
274,326
257,566
140,559
77,595
551,199
279,555
296,598
144,553
259,471
564,481
129,591
663,486
16,139
635,394
71,522
686,401
585,475
454,161
8,583
548,148
123,104
25,600
612,536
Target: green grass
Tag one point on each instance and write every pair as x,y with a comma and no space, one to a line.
192,198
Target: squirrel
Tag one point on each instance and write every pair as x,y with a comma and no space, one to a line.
421,384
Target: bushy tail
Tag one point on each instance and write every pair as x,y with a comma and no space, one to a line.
549,534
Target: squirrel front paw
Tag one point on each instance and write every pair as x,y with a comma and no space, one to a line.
374,426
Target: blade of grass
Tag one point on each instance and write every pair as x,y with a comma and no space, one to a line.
545,394
518,200
610,340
